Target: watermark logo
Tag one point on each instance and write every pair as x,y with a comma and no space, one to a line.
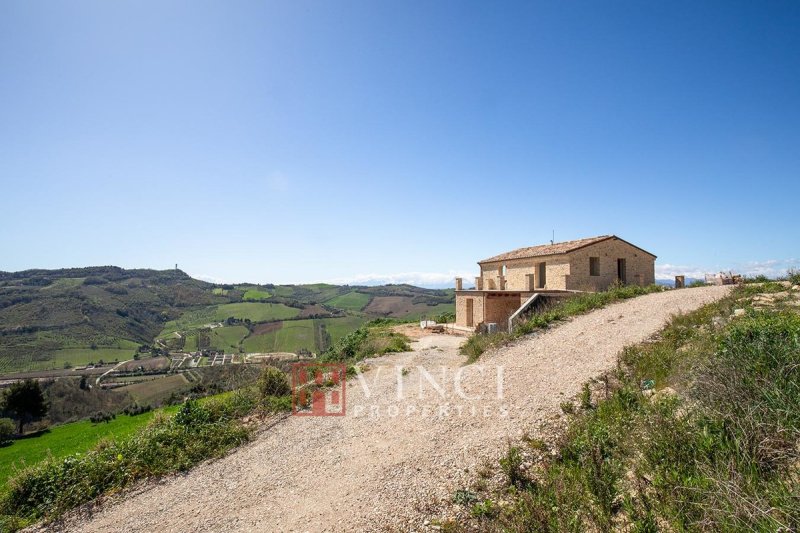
318,389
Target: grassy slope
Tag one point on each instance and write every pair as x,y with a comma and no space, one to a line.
255,294
716,451
297,334
51,317
67,439
256,312
227,338
351,301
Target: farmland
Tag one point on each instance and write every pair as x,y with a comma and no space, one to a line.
401,307
351,301
253,311
150,392
227,338
64,358
294,335
67,439
255,294
50,319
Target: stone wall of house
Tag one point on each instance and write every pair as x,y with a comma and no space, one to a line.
517,271
640,266
487,308
499,308
478,299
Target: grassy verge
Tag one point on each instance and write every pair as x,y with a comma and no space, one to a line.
576,305
198,430
711,444
66,439
373,338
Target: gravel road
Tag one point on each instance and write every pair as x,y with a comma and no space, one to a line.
417,431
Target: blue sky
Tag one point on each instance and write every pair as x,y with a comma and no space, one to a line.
402,141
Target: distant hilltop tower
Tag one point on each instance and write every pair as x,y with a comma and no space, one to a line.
176,266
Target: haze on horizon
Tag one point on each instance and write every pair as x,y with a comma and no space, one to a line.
366,142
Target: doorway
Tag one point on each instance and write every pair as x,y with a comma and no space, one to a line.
470,321
541,282
622,275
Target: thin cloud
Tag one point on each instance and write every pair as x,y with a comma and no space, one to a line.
420,279
771,268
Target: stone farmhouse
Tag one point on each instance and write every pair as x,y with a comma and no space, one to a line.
512,281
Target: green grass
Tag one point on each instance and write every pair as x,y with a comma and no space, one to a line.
253,311
64,283
64,440
199,430
190,342
292,337
73,357
718,453
372,338
351,301
256,312
157,390
228,338
295,335
339,327
255,294
429,311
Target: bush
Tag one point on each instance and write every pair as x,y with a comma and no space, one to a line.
136,409
167,444
102,416
6,430
273,382
512,468
725,460
374,338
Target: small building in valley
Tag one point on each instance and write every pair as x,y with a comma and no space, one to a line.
509,280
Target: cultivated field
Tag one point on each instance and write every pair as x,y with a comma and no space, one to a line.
404,307
351,301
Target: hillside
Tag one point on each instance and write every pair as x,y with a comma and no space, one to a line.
54,319
414,455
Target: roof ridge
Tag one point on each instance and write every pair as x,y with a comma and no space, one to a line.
555,248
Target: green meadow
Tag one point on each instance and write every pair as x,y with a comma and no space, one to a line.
67,439
351,301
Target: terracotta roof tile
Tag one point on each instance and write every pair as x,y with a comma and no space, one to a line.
547,249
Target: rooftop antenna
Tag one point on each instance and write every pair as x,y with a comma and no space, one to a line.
553,240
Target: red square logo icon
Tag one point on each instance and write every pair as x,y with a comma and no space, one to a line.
318,389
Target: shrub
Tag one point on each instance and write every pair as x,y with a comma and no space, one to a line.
136,409
6,430
167,444
273,382
102,416
586,397
512,468
726,460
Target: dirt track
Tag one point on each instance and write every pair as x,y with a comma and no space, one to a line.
389,463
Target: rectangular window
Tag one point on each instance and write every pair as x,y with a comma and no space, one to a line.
594,266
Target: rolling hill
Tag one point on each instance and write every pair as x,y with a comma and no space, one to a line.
53,319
